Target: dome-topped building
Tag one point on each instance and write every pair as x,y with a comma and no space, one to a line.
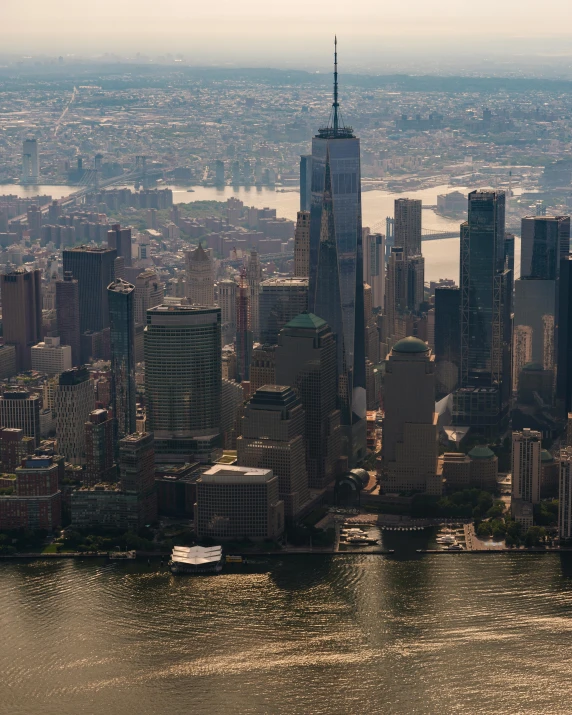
410,345
410,432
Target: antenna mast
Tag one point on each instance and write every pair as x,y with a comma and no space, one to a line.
335,105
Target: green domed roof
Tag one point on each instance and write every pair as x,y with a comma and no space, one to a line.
545,456
410,345
533,367
307,321
481,451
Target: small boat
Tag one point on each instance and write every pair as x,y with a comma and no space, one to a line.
454,547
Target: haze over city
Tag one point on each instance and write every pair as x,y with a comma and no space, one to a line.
285,358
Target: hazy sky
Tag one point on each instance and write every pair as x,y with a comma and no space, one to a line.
294,33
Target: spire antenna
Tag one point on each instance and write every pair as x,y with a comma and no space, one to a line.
335,105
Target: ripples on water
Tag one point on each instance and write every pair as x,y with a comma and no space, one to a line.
352,634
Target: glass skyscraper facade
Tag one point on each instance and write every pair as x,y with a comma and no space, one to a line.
486,306
122,338
183,378
545,240
336,265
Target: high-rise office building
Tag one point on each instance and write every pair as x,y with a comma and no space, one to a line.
447,339
336,264
272,436
94,270
306,360
374,266
67,313
545,240
227,289
407,226
235,502
415,283
565,495
73,401
148,293
21,410
262,367
243,331
22,313
30,162
395,293
50,357
99,448
122,336
137,473
281,300
410,432
120,239
302,245
521,352
200,277
183,380
564,360
482,401
526,465
219,173
305,182
253,280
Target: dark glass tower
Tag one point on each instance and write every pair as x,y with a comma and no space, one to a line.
447,338
545,240
122,337
67,311
94,270
482,402
336,264
564,364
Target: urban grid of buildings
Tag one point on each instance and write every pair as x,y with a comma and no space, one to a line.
240,370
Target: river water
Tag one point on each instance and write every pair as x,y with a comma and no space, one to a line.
441,257
465,634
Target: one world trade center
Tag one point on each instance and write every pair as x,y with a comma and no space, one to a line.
336,264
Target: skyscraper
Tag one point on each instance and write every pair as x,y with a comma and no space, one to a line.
73,402
522,352
30,162
447,339
99,449
148,293
137,473
243,331
336,264
302,245
565,495
227,289
21,410
281,299
120,239
306,360
200,277
564,362
272,436
545,240
67,313
183,380
254,279
22,313
94,270
407,226
374,266
482,401
395,293
526,465
122,337
305,182
410,433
